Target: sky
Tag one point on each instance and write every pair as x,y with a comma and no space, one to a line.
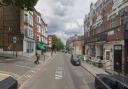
64,17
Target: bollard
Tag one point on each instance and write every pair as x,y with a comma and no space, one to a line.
9,83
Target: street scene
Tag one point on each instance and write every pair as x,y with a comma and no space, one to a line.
63,44
61,74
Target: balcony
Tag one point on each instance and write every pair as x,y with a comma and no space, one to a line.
97,38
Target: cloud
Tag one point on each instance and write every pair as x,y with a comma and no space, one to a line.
64,17
62,35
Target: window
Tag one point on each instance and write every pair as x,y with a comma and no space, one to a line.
38,19
38,29
124,16
26,32
31,20
25,18
32,33
112,21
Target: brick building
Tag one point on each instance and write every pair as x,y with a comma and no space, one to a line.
50,38
106,33
20,30
40,30
16,30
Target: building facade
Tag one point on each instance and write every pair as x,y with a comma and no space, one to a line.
40,31
106,33
27,23
44,32
19,31
50,38
75,45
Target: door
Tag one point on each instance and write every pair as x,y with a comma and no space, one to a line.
126,57
126,53
107,60
118,58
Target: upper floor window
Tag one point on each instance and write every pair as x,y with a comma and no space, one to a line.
124,16
31,20
25,18
26,32
112,21
38,19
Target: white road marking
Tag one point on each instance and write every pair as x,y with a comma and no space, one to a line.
33,71
23,66
29,76
58,77
14,75
59,73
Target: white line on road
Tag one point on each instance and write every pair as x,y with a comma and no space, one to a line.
33,71
23,66
14,75
59,73
29,76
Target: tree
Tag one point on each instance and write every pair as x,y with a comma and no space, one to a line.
57,44
23,4
54,42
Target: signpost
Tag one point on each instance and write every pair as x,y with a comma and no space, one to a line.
14,39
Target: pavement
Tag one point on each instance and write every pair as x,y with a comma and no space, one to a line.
21,68
59,73
92,69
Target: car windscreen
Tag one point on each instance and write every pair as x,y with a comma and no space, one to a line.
75,58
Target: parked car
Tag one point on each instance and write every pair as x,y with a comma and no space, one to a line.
75,60
103,81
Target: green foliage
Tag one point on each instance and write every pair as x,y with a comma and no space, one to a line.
57,44
23,4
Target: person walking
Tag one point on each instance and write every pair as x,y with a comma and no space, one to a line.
37,58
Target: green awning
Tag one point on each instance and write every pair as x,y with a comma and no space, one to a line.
40,46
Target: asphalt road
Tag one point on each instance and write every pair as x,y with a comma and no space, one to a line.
61,74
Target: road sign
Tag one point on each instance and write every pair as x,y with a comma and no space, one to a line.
14,39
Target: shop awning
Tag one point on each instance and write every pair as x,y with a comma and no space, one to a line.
40,46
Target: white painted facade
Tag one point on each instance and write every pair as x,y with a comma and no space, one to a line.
28,42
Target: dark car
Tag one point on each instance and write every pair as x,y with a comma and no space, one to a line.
103,81
75,60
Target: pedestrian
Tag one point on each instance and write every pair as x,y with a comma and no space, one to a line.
37,58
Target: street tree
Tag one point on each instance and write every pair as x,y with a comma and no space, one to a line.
23,4
57,44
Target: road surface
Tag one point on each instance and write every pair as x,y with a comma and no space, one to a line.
61,74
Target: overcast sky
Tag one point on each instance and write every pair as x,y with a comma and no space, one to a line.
64,17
